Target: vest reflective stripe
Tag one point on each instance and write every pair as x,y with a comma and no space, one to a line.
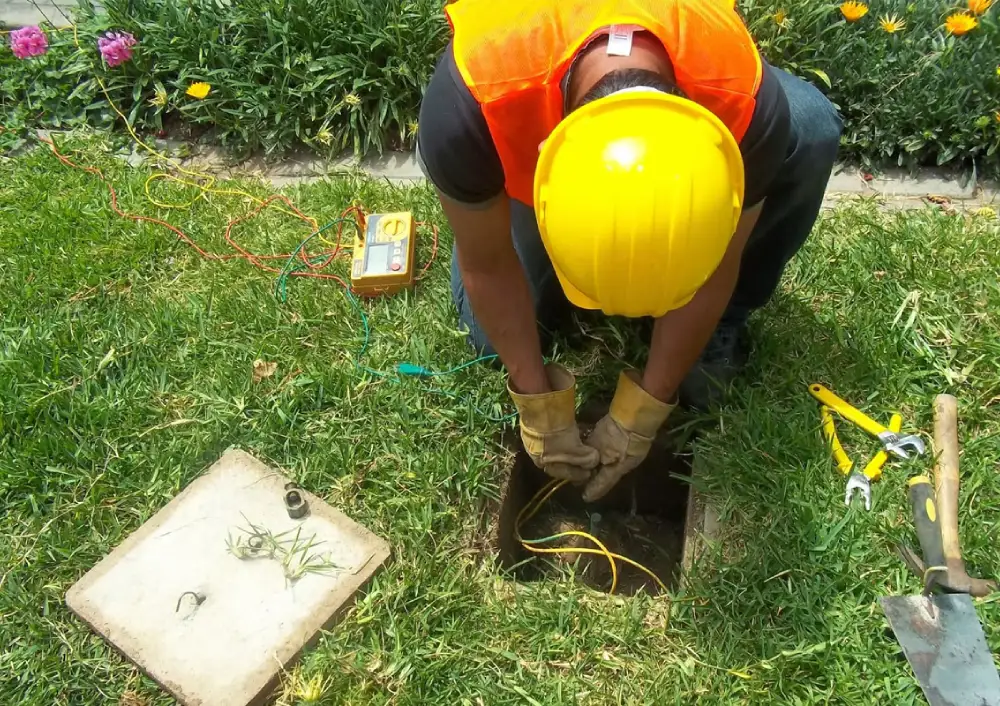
513,54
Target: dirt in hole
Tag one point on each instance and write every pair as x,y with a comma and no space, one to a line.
642,518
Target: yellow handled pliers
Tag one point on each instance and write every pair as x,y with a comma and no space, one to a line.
857,482
873,470
890,438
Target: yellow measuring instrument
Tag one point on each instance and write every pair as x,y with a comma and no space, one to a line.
383,255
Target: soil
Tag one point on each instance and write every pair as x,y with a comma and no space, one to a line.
642,518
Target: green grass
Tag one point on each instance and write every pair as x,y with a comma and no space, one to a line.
112,332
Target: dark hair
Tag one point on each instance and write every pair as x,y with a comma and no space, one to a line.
628,78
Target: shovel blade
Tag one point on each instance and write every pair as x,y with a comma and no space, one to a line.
944,643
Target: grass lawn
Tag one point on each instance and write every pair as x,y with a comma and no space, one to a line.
126,368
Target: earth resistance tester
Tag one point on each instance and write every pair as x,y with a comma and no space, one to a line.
383,255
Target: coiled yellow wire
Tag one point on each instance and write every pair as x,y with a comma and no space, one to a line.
532,507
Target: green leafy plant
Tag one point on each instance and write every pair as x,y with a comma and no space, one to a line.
60,89
350,73
50,90
342,74
916,96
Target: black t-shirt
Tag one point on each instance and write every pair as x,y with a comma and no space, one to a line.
458,156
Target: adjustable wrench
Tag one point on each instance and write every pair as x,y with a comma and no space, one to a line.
891,440
857,482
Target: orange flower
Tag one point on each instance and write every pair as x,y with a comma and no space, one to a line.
979,7
959,23
852,10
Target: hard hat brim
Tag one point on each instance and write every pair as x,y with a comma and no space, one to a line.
574,295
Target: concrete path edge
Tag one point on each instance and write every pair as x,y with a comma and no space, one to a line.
893,188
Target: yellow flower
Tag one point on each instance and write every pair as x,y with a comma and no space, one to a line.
324,135
411,128
960,23
352,99
979,7
313,690
198,90
159,98
781,18
997,116
892,24
852,10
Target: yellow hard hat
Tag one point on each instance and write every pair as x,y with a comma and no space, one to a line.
637,196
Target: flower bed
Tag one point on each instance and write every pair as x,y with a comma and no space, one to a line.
258,73
917,83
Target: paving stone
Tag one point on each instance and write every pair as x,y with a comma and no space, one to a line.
210,627
897,183
895,189
20,13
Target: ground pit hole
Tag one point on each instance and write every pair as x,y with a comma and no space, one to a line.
642,518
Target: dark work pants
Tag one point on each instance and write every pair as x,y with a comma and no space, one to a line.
790,211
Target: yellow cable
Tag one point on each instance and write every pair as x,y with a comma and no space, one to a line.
578,550
532,507
548,489
619,557
209,179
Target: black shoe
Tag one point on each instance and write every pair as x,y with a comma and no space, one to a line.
725,355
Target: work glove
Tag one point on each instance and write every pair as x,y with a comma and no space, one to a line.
549,431
625,434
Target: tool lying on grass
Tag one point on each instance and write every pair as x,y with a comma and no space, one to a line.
857,482
954,578
383,254
941,635
943,641
891,440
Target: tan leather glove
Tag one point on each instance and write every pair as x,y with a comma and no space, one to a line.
625,434
549,431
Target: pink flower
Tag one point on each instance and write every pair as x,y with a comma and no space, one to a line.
116,47
28,41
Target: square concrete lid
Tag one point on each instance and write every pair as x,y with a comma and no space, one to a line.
211,628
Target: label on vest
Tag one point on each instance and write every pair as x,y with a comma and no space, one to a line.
620,40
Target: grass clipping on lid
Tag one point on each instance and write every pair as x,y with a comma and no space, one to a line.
296,554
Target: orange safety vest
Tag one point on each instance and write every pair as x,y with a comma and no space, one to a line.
513,55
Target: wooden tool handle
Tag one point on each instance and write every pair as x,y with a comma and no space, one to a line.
946,481
946,477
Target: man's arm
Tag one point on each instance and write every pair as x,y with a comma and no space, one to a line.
495,284
680,335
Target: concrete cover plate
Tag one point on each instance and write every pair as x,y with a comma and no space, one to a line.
210,627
